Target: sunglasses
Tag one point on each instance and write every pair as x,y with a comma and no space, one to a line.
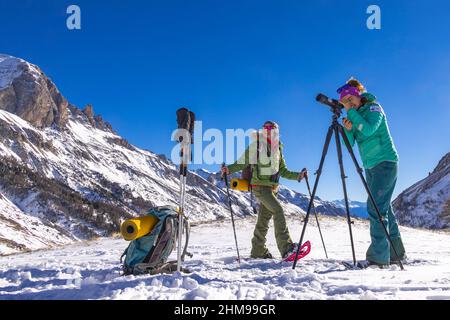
269,127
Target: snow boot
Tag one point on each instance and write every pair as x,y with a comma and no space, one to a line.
373,265
267,255
403,260
364,264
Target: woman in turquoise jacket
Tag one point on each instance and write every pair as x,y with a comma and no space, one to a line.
367,125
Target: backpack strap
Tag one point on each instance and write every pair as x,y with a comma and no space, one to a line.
164,238
187,228
124,254
275,177
161,242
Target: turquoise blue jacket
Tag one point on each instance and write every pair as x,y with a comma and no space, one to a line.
370,130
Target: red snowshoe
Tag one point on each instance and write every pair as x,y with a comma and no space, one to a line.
304,250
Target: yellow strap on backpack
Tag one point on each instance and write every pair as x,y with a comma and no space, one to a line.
239,184
135,228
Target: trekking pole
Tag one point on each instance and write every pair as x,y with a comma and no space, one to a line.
225,178
186,122
315,213
183,171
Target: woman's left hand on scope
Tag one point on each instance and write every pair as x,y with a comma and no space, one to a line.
347,124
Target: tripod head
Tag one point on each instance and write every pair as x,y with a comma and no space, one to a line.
335,106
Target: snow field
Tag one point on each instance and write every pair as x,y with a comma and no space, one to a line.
92,271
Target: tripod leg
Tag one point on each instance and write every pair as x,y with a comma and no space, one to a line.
318,172
317,218
344,188
372,200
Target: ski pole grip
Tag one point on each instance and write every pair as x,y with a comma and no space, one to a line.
306,173
224,175
303,170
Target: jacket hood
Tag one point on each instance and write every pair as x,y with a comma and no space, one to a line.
370,97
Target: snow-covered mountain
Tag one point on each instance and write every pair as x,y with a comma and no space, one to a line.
66,175
427,203
357,208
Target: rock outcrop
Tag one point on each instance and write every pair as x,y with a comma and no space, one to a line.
427,203
28,93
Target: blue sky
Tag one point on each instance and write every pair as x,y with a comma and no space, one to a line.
238,63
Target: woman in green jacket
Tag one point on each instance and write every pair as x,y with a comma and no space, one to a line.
367,125
267,168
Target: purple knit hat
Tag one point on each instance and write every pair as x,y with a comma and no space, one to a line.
349,90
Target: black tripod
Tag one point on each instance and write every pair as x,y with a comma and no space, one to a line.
338,130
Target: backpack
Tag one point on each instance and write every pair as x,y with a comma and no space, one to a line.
149,254
247,172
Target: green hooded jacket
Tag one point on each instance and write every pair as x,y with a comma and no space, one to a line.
370,130
258,177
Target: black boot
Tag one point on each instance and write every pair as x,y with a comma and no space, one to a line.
267,255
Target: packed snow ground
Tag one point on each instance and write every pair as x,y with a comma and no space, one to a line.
92,271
